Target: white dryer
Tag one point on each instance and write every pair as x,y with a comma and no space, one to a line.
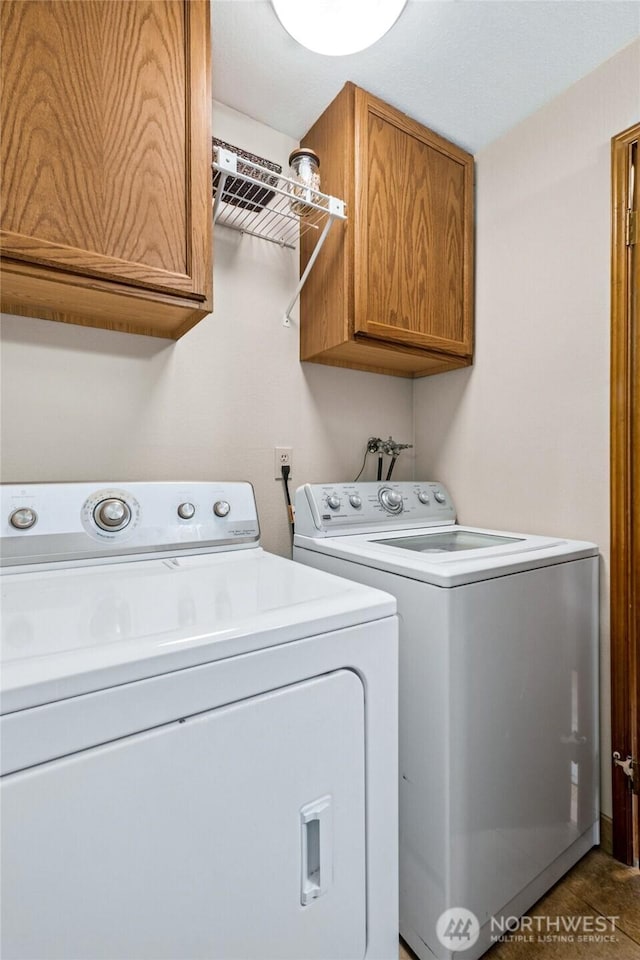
198,738
498,700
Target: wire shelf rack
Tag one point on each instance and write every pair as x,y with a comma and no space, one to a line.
254,200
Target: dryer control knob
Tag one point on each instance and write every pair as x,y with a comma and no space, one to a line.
423,496
333,501
23,518
439,496
112,514
221,508
186,511
355,501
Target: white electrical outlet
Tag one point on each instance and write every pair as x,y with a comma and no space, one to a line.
282,457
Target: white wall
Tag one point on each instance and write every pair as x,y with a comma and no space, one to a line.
522,437
83,404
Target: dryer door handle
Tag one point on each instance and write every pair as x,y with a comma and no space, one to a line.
316,834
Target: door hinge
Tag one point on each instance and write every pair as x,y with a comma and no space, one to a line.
630,770
632,227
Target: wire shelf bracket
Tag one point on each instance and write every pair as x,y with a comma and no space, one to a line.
252,199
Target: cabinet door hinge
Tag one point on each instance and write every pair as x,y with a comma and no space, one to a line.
632,227
630,769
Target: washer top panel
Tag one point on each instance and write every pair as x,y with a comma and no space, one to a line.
481,554
337,509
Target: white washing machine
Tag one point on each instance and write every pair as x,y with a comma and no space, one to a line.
498,700
199,747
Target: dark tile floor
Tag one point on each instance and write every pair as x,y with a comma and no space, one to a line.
598,886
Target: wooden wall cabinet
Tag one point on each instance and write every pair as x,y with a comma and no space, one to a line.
106,155
392,290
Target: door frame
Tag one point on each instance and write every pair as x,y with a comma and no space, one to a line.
625,494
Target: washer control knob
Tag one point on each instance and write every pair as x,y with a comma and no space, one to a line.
333,501
221,508
186,511
355,501
439,496
423,496
112,514
391,500
23,518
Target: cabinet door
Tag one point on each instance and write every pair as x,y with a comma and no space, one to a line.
105,156
413,233
235,833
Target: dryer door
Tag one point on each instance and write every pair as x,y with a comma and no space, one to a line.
235,833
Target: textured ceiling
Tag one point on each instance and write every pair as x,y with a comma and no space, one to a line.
469,69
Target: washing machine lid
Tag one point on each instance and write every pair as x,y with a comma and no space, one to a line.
450,555
453,540
67,632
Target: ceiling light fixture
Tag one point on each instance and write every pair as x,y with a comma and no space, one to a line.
337,27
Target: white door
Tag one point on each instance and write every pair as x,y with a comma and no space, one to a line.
235,833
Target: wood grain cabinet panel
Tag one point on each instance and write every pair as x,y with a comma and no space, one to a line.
105,205
392,290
